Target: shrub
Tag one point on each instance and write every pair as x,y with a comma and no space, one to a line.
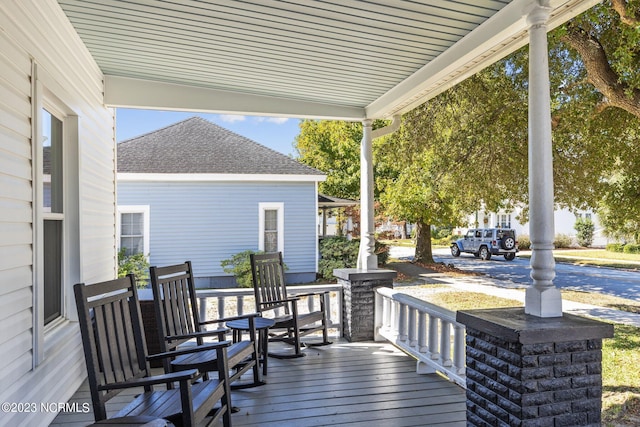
524,242
562,241
585,229
443,241
240,266
339,252
615,247
136,264
382,251
631,248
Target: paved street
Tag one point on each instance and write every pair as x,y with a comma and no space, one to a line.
610,281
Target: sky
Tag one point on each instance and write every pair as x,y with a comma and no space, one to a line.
277,133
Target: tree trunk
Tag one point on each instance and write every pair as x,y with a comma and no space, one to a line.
424,253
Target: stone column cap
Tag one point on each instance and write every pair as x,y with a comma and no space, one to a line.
514,325
359,275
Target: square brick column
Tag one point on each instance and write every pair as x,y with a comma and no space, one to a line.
525,370
358,300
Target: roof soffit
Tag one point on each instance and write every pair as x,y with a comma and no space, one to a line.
347,59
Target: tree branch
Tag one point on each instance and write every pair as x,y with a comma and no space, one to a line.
599,72
620,6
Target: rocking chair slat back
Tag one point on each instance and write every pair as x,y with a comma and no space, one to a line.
119,355
176,311
269,282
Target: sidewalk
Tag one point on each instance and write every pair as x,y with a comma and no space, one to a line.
507,289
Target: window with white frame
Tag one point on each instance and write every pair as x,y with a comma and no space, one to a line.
133,229
504,221
51,152
271,227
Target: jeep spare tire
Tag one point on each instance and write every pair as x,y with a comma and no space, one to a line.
508,243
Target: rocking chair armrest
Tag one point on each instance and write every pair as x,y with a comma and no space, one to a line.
154,380
288,299
194,349
311,294
229,319
201,334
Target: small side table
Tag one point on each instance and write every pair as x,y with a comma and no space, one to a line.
262,327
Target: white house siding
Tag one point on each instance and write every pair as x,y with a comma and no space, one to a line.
39,367
207,222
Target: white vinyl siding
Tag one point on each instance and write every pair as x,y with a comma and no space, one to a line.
37,32
207,222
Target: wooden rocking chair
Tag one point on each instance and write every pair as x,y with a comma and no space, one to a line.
116,356
178,319
271,296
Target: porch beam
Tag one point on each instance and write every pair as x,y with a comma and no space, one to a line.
542,297
125,92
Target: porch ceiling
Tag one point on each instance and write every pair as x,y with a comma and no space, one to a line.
347,59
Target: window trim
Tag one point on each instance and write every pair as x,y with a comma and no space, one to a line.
265,206
45,95
144,210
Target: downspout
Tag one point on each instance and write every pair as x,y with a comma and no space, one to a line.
394,126
367,259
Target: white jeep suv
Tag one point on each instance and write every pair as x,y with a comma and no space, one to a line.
484,242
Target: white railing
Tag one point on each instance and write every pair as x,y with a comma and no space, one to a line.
218,303
424,331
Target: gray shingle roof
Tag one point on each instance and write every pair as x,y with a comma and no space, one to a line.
196,145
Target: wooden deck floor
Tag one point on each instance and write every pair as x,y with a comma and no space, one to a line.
344,384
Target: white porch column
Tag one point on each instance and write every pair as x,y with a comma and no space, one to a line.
542,298
367,260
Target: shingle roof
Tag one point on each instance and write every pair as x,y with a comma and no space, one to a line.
196,145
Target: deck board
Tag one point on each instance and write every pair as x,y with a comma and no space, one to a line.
344,384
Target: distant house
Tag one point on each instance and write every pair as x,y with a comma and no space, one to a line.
196,191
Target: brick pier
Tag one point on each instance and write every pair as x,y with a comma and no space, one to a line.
529,371
358,304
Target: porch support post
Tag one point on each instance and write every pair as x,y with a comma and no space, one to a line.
542,297
367,259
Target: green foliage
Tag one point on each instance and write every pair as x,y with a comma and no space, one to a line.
562,241
615,247
339,252
240,266
524,242
136,264
585,229
631,248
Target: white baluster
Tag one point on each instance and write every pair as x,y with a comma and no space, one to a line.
422,332
240,303
402,322
459,349
445,342
433,337
221,309
202,308
411,321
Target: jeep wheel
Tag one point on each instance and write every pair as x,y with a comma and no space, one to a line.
484,253
510,256
508,243
455,250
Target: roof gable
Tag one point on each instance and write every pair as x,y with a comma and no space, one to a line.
197,146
